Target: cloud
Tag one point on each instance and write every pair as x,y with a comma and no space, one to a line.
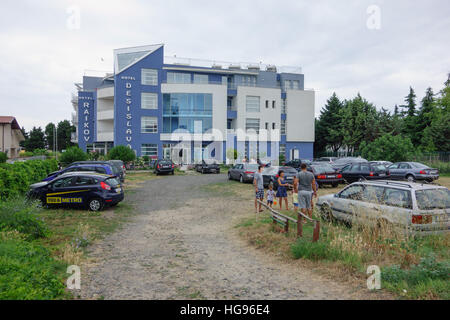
41,58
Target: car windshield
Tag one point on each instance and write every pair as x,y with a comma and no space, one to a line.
113,182
418,165
270,170
165,162
322,168
210,161
378,167
433,199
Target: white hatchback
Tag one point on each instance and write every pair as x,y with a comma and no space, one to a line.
418,208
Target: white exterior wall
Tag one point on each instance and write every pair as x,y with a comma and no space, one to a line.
300,115
264,115
219,101
105,114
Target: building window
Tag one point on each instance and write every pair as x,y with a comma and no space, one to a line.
251,123
283,126
273,104
282,149
201,78
178,77
267,104
149,125
283,106
249,81
149,100
273,125
149,77
295,84
287,84
149,149
252,104
187,111
267,126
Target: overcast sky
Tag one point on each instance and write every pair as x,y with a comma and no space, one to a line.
347,46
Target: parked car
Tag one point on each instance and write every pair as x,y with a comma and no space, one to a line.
294,164
413,171
412,207
325,174
327,159
384,163
164,166
364,171
89,189
340,163
208,166
99,167
118,167
243,172
270,175
306,161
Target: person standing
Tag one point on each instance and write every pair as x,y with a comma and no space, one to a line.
282,190
295,194
259,188
306,188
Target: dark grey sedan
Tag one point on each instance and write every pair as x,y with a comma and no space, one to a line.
243,172
412,171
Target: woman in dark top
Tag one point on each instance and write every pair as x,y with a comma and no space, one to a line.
281,191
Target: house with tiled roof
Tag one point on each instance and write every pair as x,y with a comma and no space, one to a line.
10,136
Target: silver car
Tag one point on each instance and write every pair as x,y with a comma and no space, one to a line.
243,172
412,171
414,207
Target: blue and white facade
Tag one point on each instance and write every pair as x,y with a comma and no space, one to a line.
147,101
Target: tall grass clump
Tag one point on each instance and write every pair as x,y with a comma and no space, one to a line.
23,216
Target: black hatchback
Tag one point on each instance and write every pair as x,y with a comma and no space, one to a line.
164,166
364,171
75,189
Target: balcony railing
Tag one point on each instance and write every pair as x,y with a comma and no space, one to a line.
234,85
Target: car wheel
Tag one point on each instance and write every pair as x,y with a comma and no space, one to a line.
229,176
241,179
218,171
335,185
173,172
96,204
410,178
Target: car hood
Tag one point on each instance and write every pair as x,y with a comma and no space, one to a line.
38,185
325,198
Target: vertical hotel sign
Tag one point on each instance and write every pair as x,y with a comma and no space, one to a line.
85,117
128,80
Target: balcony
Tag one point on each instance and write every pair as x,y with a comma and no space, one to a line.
105,115
103,136
74,137
74,118
105,93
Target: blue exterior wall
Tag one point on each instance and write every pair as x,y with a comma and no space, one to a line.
86,118
131,97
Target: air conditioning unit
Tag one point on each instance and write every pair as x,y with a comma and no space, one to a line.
234,67
253,67
216,66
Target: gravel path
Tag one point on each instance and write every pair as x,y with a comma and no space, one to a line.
183,245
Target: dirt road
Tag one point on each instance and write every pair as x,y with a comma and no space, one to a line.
183,245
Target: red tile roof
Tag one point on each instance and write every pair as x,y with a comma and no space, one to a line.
10,120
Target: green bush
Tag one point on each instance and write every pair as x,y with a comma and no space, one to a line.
121,153
40,152
73,154
16,178
27,271
3,157
21,215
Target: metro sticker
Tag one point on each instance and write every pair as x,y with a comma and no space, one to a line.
64,200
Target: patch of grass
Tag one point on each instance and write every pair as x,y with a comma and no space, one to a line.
27,270
428,279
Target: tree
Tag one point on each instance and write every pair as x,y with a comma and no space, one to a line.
330,123
65,130
121,153
424,118
73,154
410,121
35,139
389,148
25,135
50,135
